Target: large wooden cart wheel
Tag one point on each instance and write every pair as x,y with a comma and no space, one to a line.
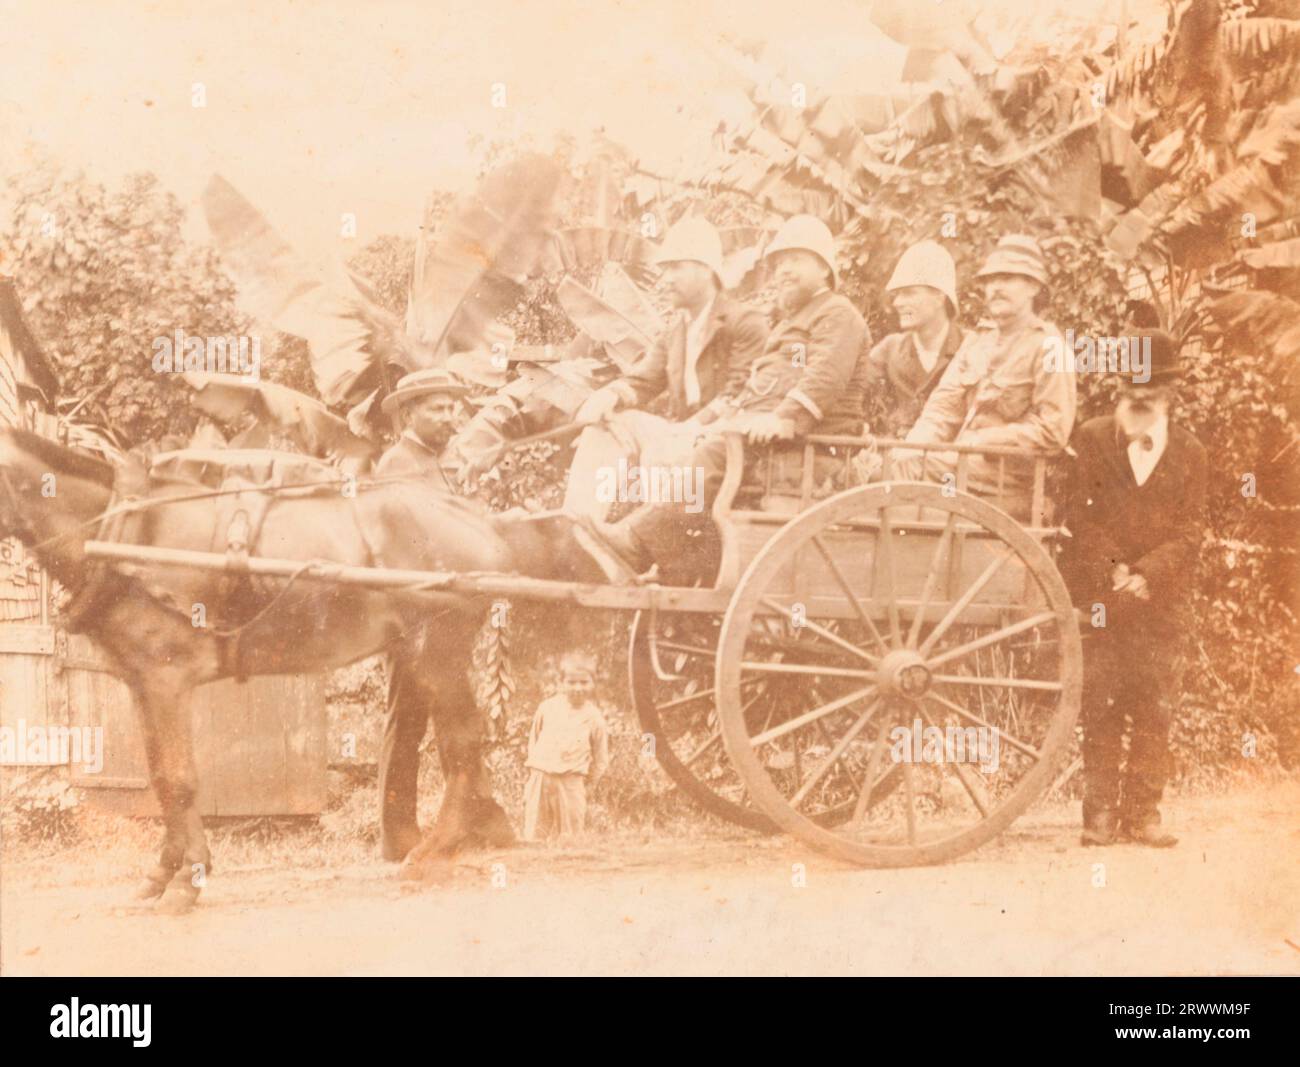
926,640
671,667
671,659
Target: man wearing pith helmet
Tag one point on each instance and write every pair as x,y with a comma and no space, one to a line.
1136,515
1000,389
428,402
700,361
906,366
811,378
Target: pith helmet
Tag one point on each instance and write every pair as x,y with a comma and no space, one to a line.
809,233
927,263
1016,253
694,239
422,383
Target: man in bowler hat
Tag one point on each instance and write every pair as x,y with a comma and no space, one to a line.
1135,513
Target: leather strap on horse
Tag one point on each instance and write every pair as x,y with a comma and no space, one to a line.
120,522
241,515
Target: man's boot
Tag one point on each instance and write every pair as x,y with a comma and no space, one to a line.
1098,828
1145,830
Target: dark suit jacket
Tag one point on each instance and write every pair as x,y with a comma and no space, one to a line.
1155,528
898,383
733,338
411,457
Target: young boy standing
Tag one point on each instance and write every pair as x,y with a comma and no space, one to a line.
568,748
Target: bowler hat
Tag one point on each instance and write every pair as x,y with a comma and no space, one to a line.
1166,367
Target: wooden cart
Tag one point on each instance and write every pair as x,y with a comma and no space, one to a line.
889,673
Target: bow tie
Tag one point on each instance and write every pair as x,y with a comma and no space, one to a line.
1143,439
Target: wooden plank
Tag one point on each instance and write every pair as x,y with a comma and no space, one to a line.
306,757
259,746
32,639
25,691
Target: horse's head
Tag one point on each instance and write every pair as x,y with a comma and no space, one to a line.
48,494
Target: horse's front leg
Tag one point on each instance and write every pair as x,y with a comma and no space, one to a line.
185,861
173,845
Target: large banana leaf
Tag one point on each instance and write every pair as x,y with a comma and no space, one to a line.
304,419
349,336
471,270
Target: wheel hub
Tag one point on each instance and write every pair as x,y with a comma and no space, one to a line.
903,672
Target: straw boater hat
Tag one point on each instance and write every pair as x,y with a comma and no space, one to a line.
1016,253
422,383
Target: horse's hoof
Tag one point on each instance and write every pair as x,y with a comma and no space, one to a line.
178,900
428,869
149,889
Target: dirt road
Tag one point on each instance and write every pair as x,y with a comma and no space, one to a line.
1227,900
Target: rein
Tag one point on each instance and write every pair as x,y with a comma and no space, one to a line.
135,504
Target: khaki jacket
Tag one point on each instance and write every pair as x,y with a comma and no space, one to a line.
998,390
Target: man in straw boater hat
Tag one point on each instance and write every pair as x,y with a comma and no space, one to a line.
1136,505
810,378
428,403
699,362
905,366
999,389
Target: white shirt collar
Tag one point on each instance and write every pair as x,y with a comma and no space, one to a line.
1143,460
695,332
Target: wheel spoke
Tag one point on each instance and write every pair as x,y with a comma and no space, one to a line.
869,783
991,639
809,716
999,683
799,668
955,611
694,756
909,799
677,702
931,579
821,631
962,773
885,550
835,753
1015,742
848,592
689,650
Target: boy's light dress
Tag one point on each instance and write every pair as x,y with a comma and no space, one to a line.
567,746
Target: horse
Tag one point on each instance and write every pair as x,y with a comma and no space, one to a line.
168,630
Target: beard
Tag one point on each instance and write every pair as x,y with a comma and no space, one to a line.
1136,417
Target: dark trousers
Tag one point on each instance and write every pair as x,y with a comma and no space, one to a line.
1129,673
410,709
